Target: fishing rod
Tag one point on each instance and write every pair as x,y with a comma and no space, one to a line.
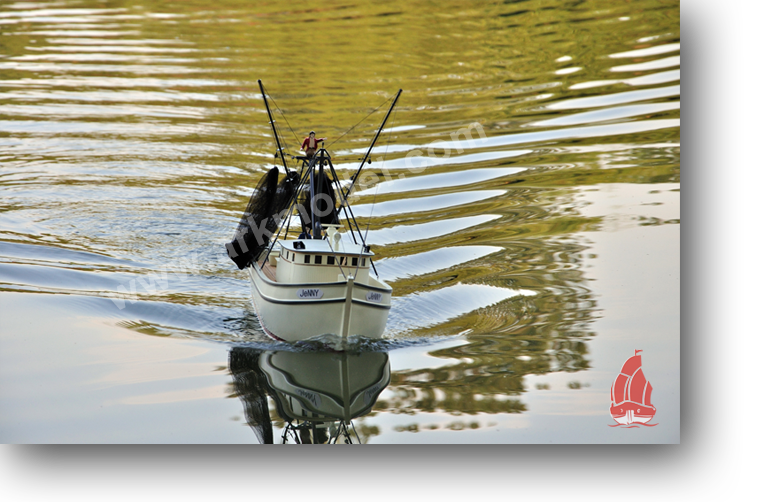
272,123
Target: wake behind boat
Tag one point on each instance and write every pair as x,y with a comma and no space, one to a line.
325,281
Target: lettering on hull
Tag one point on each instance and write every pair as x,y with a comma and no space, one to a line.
313,294
372,296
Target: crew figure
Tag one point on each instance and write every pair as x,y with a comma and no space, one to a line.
307,233
310,144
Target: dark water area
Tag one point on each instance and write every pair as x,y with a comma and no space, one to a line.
523,202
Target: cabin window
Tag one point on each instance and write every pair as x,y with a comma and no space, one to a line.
306,258
330,260
341,261
293,256
318,260
354,262
363,263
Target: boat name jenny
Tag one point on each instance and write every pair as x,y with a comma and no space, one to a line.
309,293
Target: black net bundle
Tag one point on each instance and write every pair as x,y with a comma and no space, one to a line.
258,224
324,207
284,194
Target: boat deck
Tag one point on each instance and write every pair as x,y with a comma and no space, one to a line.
270,271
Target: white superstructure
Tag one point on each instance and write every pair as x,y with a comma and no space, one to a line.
312,287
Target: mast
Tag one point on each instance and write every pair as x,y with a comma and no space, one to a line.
312,190
272,123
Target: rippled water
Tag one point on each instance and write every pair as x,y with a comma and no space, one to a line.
524,206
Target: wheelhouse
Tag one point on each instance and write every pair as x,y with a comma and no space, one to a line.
317,260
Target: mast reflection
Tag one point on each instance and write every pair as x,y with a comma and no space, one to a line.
316,394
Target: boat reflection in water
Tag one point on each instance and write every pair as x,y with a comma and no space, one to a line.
316,394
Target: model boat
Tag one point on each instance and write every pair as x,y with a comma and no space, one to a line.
324,283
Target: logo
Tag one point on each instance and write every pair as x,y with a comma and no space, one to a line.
631,396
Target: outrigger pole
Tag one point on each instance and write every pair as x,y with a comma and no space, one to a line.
368,153
272,123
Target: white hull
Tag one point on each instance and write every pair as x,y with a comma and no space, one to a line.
344,308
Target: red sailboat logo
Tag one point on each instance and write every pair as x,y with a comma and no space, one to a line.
631,394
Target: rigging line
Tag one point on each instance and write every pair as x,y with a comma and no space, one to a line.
335,438
269,96
275,123
272,123
280,133
348,130
355,431
365,239
285,118
340,192
346,207
370,148
295,202
375,194
362,246
280,229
